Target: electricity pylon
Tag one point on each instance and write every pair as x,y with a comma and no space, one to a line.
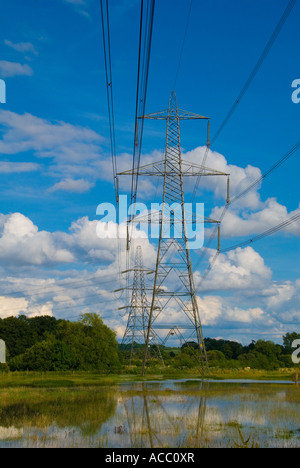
138,314
174,294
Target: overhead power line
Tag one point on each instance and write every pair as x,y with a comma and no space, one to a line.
248,82
277,164
110,104
293,219
61,301
144,53
55,288
109,86
264,234
267,173
145,41
183,44
257,66
76,306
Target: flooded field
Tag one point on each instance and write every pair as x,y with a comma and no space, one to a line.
171,413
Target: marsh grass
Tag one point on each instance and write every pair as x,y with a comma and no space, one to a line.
56,379
76,378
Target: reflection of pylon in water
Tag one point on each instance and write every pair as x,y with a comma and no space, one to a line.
138,316
154,420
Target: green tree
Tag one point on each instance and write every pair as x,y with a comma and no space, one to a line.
43,325
215,357
184,360
84,345
39,357
288,341
17,334
269,349
231,349
264,355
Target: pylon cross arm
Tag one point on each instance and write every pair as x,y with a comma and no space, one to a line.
178,113
187,169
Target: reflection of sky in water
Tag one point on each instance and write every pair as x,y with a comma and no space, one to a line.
10,433
185,416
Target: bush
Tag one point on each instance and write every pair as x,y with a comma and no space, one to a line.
184,360
215,356
4,368
16,363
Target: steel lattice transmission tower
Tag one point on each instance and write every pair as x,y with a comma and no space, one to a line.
138,310
174,288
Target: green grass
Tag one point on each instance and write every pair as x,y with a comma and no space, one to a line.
252,374
80,379
224,374
55,379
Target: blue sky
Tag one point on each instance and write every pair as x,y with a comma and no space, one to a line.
55,153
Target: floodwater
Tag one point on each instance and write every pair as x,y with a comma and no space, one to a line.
158,414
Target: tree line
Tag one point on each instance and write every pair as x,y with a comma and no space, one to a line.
49,344
259,354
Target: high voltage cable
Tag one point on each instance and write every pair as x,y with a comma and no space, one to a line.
240,195
79,305
198,180
277,164
258,64
260,179
142,82
145,41
144,52
109,86
141,102
267,173
146,28
110,104
264,234
58,302
183,43
72,283
87,305
104,301
78,316
82,306
251,77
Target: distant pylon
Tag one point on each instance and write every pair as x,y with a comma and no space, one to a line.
138,310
